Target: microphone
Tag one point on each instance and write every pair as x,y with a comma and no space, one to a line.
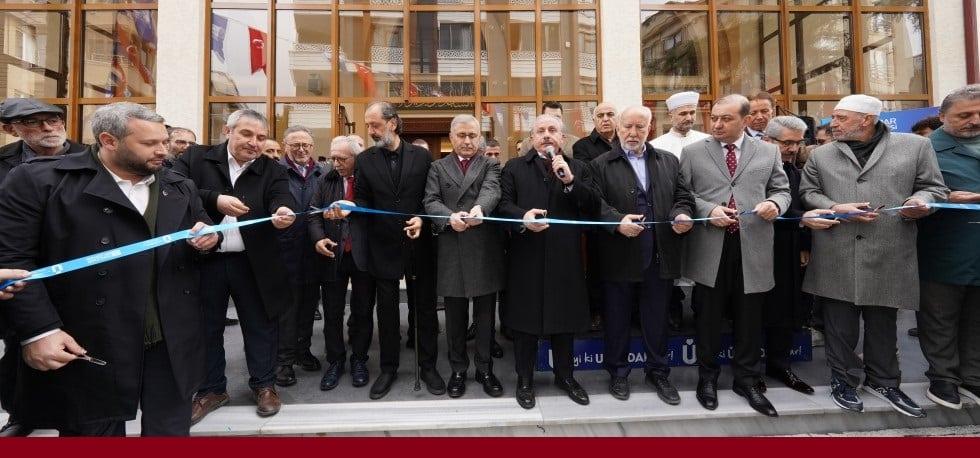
550,151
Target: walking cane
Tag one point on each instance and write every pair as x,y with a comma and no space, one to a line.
412,268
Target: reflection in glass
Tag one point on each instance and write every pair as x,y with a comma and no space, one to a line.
371,54
509,124
238,69
891,2
304,54
507,61
87,111
894,61
569,61
819,110
820,53
531,2
442,49
820,2
748,53
674,51
317,117
33,54
119,53
219,114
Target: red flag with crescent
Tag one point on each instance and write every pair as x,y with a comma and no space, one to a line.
256,44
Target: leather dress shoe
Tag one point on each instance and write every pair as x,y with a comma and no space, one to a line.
14,428
285,376
707,394
491,386
762,385
573,389
457,384
433,381
205,404
790,379
665,390
619,388
359,373
331,377
267,401
756,399
308,362
496,350
382,385
525,393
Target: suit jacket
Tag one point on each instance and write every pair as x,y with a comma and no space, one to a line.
329,190
470,263
615,181
57,209
263,187
586,149
388,246
758,177
870,263
12,155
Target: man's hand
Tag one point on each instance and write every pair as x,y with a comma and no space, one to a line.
964,197
724,216
766,210
530,217
628,228
682,224
52,352
413,227
559,163
811,220
475,216
324,247
858,212
804,258
12,274
231,206
334,212
456,221
919,209
203,242
283,218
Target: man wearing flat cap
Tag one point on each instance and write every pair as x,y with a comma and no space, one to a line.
41,129
867,268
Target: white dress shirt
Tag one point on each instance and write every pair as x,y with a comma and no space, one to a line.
738,148
674,142
233,242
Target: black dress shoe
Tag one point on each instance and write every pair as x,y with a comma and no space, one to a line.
382,385
332,376
359,374
308,362
707,394
14,428
573,389
496,350
491,386
762,385
433,381
756,399
285,376
619,388
665,390
457,384
789,378
525,393
471,332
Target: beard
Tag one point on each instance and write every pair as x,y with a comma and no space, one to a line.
127,160
385,141
48,140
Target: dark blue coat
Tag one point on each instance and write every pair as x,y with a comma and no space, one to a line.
298,251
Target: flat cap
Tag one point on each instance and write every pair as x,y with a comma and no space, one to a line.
14,108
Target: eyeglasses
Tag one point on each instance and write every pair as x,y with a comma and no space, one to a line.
790,143
300,145
35,123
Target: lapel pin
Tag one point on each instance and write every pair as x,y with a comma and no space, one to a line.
165,193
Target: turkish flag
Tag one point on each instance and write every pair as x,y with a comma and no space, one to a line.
256,43
367,79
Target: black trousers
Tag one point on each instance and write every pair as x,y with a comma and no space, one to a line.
842,321
230,274
360,326
457,322
8,373
166,412
650,297
422,292
949,332
729,292
296,323
526,354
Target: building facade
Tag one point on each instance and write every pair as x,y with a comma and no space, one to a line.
319,63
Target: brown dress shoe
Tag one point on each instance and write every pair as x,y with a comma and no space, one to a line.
267,401
203,405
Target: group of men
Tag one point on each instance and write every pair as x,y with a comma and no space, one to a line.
728,211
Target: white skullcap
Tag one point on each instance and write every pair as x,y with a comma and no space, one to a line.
860,103
682,98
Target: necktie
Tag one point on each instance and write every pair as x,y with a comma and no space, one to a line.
464,165
348,195
732,162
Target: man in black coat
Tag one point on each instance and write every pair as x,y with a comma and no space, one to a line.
546,291
238,183
638,263
140,314
41,129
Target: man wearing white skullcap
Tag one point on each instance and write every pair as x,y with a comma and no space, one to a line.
683,109
867,269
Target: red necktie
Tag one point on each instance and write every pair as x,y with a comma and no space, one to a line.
464,164
348,195
732,163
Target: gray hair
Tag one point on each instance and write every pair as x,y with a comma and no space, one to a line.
463,119
548,117
780,123
645,111
744,107
971,92
247,113
114,118
388,112
297,128
347,141
174,130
